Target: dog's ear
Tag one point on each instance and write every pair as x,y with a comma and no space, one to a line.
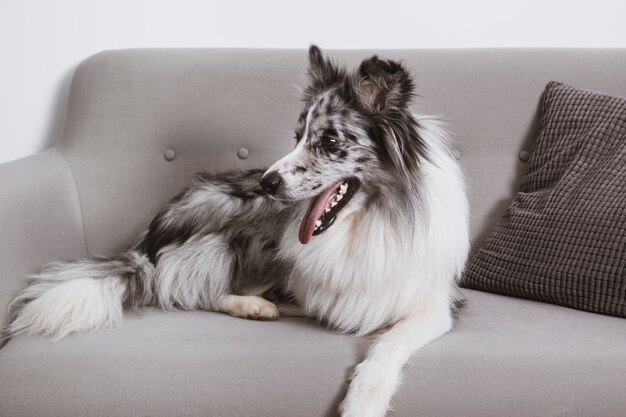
385,88
323,73
383,85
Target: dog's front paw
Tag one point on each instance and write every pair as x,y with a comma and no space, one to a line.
368,394
350,409
361,406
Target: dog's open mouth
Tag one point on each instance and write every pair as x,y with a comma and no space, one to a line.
324,208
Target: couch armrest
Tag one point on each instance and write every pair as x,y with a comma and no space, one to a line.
40,219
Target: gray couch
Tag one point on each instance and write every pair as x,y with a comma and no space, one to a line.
140,122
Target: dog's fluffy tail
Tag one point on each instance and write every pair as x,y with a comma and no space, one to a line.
81,296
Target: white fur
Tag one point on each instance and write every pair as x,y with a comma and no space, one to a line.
75,306
194,275
378,376
250,307
283,165
363,276
338,275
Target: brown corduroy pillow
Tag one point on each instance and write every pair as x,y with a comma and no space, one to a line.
563,238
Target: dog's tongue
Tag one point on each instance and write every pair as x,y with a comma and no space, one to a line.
316,208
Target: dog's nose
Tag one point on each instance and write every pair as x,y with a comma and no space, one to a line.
271,181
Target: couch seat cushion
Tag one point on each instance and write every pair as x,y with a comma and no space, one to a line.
505,357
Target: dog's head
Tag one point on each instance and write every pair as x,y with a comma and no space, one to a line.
355,135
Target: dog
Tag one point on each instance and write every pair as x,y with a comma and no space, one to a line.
364,225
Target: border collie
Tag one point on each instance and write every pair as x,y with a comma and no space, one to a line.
364,225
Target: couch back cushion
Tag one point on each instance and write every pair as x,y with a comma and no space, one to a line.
129,109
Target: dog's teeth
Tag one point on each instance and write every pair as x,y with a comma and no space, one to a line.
333,204
318,223
339,197
343,188
327,209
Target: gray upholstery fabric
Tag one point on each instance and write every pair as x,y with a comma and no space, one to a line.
40,219
505,357
563,238
127,108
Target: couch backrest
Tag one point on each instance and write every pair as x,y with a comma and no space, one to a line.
128,107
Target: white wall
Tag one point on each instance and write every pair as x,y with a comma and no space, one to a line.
42,41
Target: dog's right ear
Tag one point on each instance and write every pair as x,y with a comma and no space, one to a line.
323,73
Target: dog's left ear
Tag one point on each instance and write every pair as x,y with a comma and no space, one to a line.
323,73
383,85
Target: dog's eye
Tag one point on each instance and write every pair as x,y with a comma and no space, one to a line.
328,141
328,138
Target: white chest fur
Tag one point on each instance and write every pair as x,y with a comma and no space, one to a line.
363,273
